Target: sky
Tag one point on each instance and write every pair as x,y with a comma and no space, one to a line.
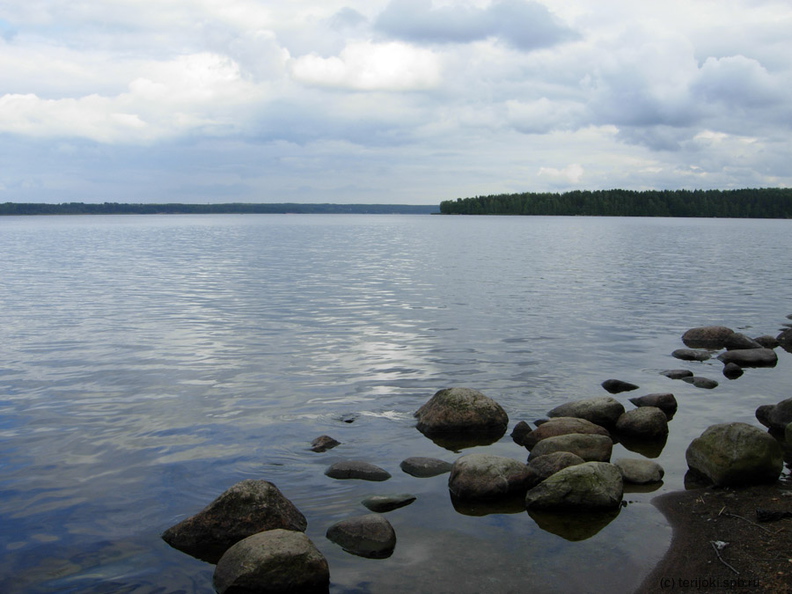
389,101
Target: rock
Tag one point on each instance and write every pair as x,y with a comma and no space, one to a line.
785,339
615,386
562,426
461,410
638,471
369,536
691,355
348,417
519,433
775,416
592,448
355,469
542,467
701,382
386,503
788,434
601,410
246,508
324,443
665,401
737,340
276,561
732,371
767,341
676,373
707,337
483,477
735,454
646,422
589,486
760,357
425,467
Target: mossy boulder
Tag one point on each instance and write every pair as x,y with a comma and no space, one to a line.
587,486
486,477
600,410
461,412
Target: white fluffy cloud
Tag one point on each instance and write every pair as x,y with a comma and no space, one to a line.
389,100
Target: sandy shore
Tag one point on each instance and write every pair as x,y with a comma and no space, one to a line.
757,556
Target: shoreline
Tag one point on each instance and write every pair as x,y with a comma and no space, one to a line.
757,556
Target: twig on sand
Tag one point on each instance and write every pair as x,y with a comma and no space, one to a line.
716,545
731,515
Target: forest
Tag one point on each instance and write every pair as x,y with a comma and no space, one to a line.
762,203
106,208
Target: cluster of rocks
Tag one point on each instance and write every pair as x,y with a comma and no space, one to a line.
255,535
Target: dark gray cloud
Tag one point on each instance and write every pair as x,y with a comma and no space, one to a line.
523,24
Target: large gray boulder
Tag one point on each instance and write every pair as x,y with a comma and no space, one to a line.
592,448
735,454
542,467
461,411
246,508
486,477
600,410
645,422
273,562
775,416
707,337
760,357
369,536
589,486
562,426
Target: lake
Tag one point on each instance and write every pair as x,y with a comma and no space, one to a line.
148,363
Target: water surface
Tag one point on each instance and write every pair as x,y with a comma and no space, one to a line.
147,363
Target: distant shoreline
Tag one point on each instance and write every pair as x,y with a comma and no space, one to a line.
114,208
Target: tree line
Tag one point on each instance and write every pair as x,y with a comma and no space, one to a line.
106,208
761,203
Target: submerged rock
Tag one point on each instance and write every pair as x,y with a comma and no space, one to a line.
562,426
425,467
735,454
601,410
324,443
274,562
369,536
386,503
615,386
589,486
691,355
759,357
707,337
246,508
701,382
483,477
676,373
463,411
356,469
592,448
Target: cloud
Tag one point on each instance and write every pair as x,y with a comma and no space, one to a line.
368,66
523,24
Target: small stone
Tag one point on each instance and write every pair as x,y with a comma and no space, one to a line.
740,341
520,431
646,422
324,443
732,371
701,382
386,503
615,386
691,355
355,469
665,401
425,467
676,373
